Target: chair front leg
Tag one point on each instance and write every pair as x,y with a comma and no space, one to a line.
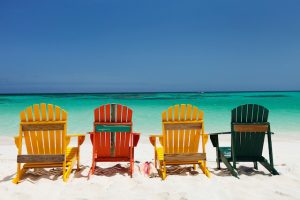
131,162
270,149
80,140
218,159
164,170
255,165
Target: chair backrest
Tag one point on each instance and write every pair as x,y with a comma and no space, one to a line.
113,127
182,126
249,124
44,129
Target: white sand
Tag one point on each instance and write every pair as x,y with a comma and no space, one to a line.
251,185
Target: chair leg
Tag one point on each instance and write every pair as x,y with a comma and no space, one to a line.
229,166
17,178
218,164
64,172
78,165
67,169
20,173
195,167
269,167
155,156
92,169
234,164
163,169
255,165
202,165
131,168
78,158
218,158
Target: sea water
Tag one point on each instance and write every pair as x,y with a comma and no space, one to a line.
284,109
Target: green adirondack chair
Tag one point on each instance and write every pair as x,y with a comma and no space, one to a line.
249,125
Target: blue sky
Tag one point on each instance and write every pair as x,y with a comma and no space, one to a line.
130,46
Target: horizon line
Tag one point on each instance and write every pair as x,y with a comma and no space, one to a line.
134,92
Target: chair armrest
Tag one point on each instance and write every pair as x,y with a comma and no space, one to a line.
75,135
153,137
81,137
205,138
136,138
215,139
220,133
160,153
17,141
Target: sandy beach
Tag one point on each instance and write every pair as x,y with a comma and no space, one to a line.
183,185
179,68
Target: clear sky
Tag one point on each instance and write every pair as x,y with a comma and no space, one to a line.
149,45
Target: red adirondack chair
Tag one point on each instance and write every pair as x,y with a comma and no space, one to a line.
112,138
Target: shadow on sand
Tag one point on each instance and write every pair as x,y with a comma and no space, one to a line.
242,170
41,173
111,171
8,178
182,170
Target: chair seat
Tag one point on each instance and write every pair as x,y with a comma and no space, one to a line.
70,156
226,151
184,157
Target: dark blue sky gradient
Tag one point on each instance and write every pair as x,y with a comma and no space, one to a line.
130,46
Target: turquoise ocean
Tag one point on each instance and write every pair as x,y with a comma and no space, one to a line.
147,108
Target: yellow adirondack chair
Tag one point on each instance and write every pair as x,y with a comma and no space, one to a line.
43,128
183,129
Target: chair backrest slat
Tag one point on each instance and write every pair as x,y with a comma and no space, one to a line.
258,128
249,125
113,127
182,128
42,133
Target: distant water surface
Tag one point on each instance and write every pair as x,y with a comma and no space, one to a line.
284,108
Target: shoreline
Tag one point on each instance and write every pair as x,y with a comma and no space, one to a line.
9,140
